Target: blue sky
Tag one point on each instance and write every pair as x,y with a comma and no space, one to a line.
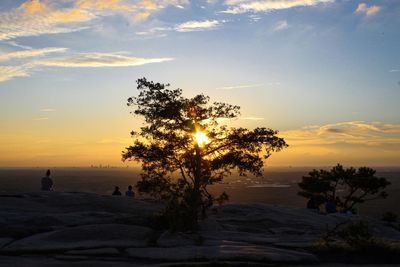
326,73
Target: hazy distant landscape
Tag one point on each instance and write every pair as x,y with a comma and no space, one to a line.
278,186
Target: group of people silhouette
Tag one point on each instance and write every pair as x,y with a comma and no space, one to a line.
331,205
128,193
47,185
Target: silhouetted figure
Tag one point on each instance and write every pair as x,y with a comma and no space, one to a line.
47,182
116,192
130,192
351,211
312,204
339,204
330,205
207,204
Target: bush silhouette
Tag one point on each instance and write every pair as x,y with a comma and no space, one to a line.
355,186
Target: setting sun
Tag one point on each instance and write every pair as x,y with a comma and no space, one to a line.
201,138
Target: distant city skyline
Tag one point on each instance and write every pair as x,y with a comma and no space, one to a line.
325,73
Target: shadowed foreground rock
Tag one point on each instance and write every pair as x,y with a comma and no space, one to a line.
68,229
84,237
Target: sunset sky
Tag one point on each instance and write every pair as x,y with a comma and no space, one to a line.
325,73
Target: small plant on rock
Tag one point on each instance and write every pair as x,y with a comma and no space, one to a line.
353,241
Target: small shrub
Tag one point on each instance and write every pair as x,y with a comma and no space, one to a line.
356,233
353,242
371,251
222,198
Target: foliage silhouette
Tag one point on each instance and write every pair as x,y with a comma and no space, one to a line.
175,167
355,186
352,241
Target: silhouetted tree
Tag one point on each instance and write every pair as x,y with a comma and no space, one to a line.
183,148
355,186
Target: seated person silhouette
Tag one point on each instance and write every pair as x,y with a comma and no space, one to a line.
330,205
116,192
47,182
130,192
312,204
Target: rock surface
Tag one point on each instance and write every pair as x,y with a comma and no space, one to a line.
5,241
244,252
48,228
95,252
84,237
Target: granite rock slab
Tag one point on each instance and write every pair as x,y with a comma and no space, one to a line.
222,253
84,237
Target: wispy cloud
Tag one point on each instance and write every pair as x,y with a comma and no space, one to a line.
30,53
238,86
363,8
88,60
159,31
47,110
41,119
194,25
353,132
394,70
95,60
15,44
115,141
188,26
25,26
99,5
281,25
35,17
142,15
10,72
242,6
252,118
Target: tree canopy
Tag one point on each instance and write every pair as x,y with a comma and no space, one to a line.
350,186
183,148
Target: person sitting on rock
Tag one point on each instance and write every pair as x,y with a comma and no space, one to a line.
130,192
339,204
312,203
47,182
116,192
330,205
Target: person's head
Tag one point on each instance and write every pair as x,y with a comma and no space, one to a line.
117,188
130,188
48,173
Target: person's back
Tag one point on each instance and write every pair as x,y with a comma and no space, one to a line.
47,182
130,192
116,192
330,206
311,204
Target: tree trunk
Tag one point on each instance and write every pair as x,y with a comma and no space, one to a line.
196,188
